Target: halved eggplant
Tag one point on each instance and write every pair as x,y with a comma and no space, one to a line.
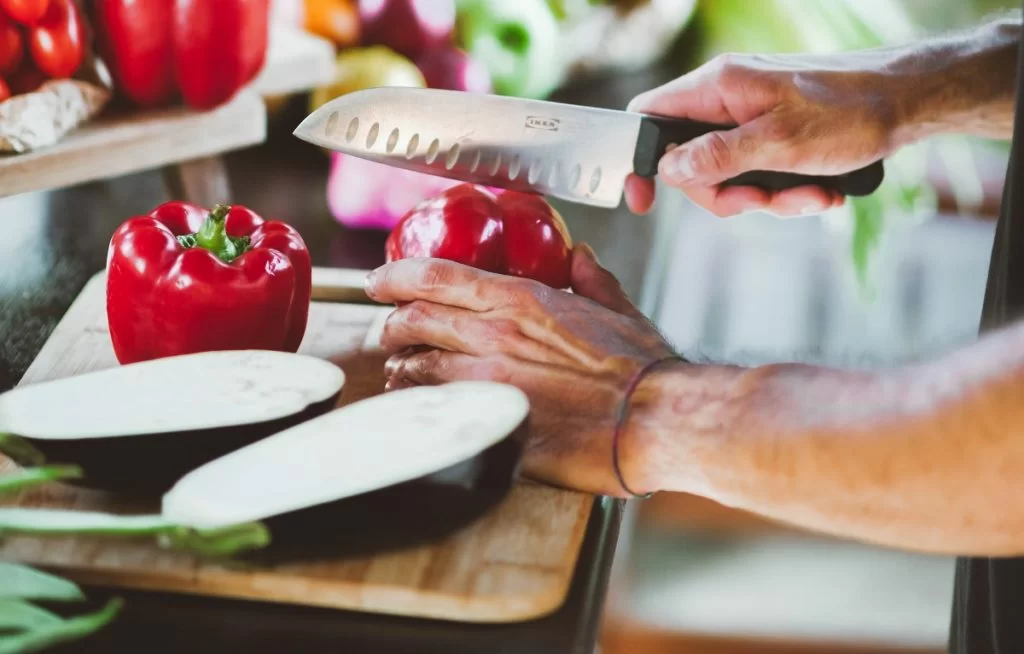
395,470
141,426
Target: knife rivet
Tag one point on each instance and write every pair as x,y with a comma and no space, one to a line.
353,129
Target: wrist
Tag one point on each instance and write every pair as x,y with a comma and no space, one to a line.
679,415
958,84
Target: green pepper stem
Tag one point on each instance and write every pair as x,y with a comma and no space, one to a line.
212,235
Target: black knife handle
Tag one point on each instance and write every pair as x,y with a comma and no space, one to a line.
657,133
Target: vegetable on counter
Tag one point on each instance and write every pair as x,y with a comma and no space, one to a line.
25,627
335,20
408,27
510,233
202,52
519,43
140,427
57,40
395,470
12,45
185,280
363,68
26,12
448,67
364,194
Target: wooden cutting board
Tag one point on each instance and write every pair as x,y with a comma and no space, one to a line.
515,564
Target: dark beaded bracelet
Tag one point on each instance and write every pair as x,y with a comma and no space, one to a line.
621,421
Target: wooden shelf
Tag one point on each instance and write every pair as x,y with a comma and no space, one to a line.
117,143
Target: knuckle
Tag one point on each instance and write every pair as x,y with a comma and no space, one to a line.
436,274
715,154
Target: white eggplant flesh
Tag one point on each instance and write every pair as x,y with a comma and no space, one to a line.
379,442
142,426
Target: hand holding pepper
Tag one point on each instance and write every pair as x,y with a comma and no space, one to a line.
572,354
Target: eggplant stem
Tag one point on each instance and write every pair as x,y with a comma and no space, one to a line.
20,450
28,477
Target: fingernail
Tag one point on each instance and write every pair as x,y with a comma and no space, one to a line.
369,282
810,208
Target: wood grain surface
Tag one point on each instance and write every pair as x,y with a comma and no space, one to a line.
512,565
121,142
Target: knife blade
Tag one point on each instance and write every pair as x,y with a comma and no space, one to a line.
572,152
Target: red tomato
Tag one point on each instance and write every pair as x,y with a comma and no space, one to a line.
26,12
5,91
57,42
12,45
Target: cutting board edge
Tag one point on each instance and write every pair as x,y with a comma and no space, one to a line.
482,609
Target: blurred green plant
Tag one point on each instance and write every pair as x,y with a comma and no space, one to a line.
25,626
828,26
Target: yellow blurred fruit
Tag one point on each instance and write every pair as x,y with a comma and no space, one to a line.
363,68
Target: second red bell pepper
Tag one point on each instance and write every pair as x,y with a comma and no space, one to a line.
183,280
201,51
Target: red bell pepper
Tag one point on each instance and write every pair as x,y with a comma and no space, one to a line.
202,51
183,280
512,234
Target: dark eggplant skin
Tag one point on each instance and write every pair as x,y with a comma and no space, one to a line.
149,464
416,512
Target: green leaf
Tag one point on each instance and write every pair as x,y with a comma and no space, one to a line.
28,477
65,631
22,582
16,615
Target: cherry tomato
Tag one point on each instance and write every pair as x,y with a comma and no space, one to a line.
26,12
26,79
5,91
12,45
57,42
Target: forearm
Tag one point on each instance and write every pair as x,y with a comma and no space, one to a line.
928,457
963,83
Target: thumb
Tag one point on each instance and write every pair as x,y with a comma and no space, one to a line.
715,157
593,282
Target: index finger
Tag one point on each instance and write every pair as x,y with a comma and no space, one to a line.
435,280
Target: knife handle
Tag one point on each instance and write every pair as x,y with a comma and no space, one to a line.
657,133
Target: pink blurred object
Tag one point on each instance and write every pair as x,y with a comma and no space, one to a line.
407,26
365,194
448,67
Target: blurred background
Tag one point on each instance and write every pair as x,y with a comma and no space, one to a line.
886,279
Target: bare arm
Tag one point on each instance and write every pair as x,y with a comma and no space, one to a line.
926,457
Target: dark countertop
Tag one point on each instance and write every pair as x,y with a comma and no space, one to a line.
54,241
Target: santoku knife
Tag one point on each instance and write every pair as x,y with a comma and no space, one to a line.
576,153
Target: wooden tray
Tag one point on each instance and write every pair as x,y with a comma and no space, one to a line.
513,565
